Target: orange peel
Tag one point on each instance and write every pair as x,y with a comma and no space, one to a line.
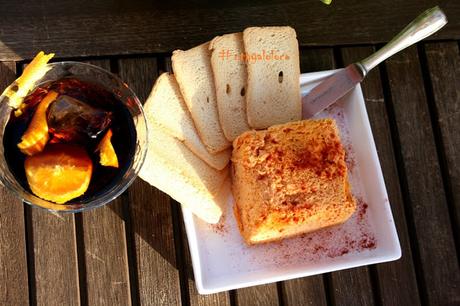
33,72
107,154
36,136
59,173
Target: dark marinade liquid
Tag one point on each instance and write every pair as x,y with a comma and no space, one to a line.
122,125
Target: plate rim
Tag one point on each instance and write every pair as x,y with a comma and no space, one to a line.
393,255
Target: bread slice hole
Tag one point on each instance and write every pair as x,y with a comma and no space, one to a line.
207,100
227,90
280,77
243,92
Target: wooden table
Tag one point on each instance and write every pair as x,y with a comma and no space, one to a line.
134,250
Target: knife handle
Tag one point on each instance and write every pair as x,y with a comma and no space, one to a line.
421,27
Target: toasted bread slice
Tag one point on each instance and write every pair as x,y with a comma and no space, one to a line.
273,90
173,168
193,72
166,107
180,157
289,180
165,177
230,77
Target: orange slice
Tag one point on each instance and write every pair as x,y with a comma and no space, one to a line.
36,135
107,154
59,173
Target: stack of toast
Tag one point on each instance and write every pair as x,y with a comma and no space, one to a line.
219,90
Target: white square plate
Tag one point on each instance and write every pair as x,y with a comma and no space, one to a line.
222,261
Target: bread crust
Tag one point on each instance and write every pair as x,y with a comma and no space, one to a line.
273,91
193,72
171,167
165,107
230,77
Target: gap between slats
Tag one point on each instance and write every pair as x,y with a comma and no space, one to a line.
81,262
30,255
130,252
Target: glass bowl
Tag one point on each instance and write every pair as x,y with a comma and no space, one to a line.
125,95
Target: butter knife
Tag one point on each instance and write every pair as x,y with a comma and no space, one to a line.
337,85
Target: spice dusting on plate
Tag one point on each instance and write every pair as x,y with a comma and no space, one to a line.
353,236
220,228
350,159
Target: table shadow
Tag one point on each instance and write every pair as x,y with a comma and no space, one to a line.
149,223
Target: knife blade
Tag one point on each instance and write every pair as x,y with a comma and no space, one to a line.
337,85
331,89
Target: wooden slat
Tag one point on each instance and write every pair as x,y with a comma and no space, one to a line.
312,288
444,67
258,295
128,27
105,253
305,291
55,258
150,210
397,283
316,59
52,238
14,288
221,299
106,262
423,183
348,284
352,287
